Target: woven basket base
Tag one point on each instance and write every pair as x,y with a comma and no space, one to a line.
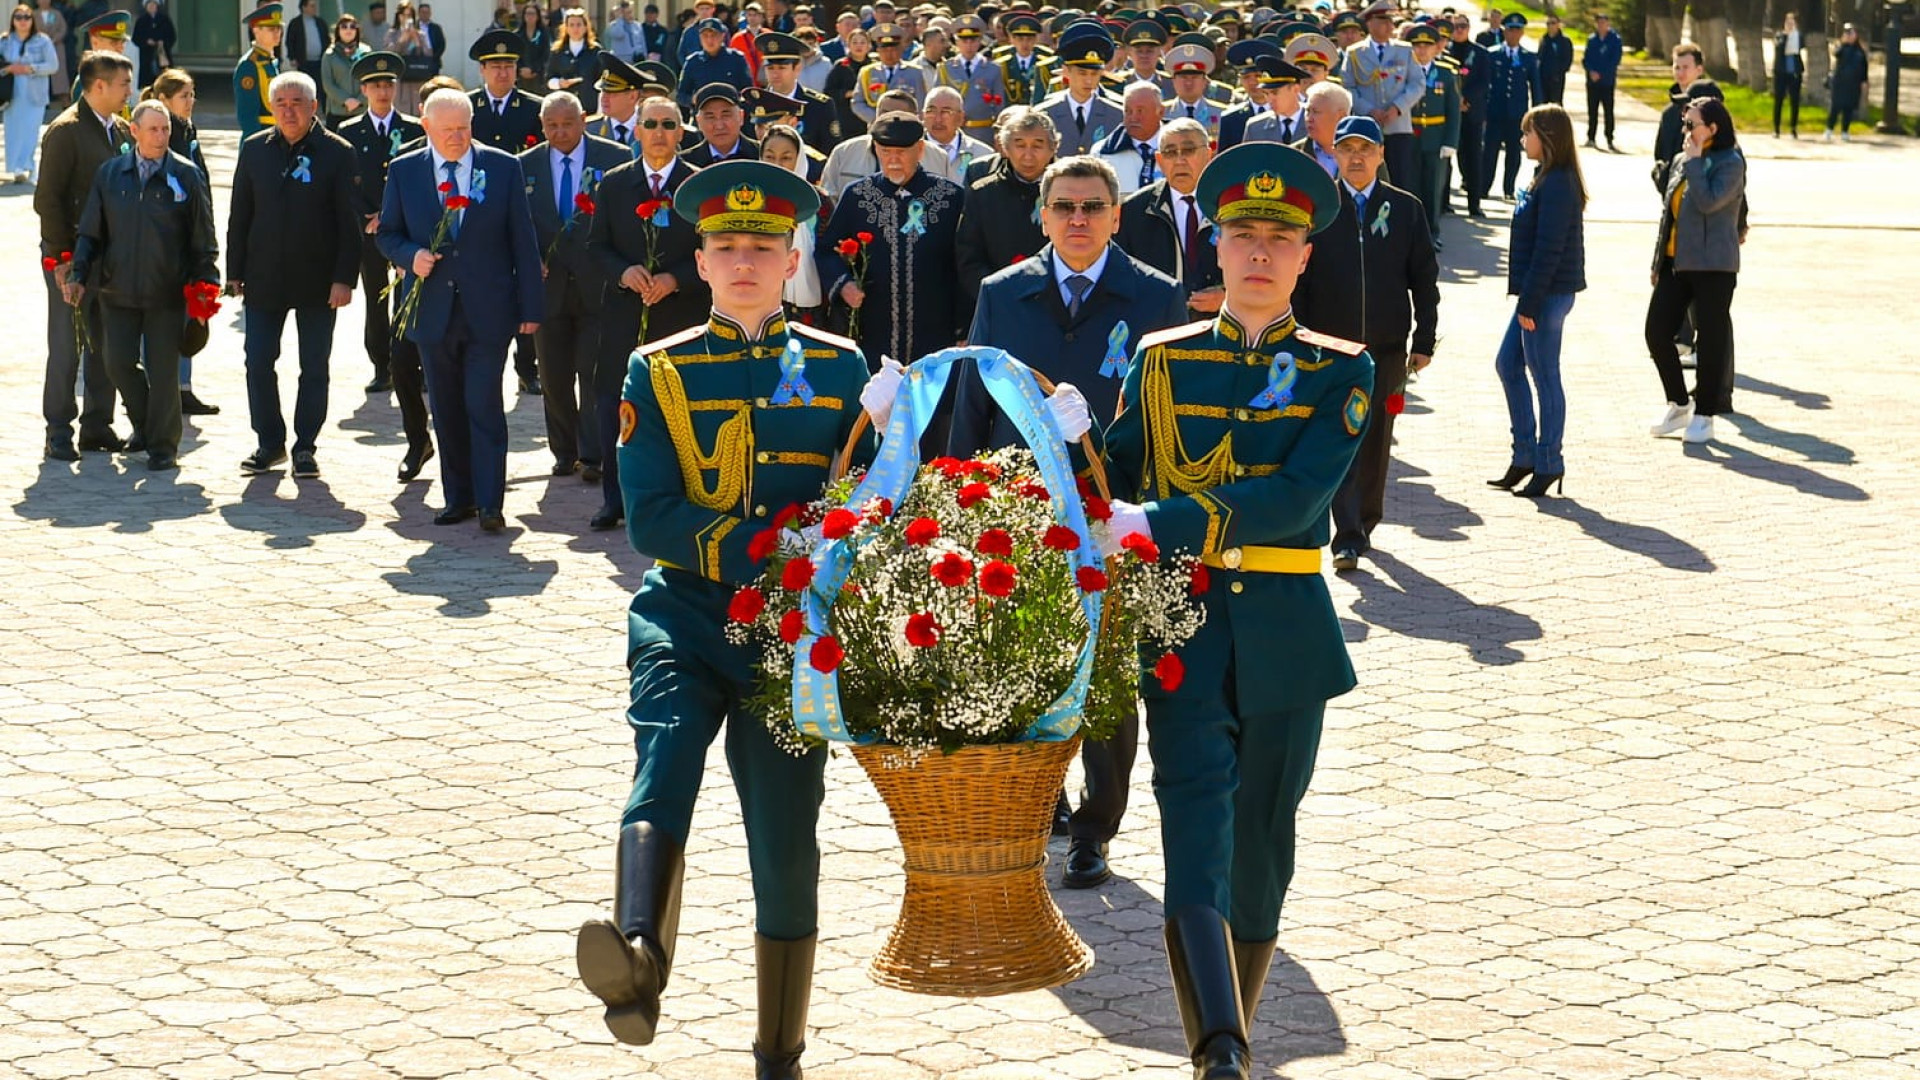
976,919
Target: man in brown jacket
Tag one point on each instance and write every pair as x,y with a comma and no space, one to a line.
74,146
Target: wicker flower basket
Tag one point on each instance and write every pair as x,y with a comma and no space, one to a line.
977,919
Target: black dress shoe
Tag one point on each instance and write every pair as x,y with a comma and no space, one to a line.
1512,476
1346,559
606,520
106,442
161,461
416,459
565,468
530,387
135,445
454,515
380,385
1476,212
261,460
1086,864
191,405
492,521
61,450
304,466
589,473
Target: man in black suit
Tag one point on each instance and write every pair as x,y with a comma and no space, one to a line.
716,109
563,186
507,118
647,263
1075,312
376,136
1161,224
436,37
292,247
1379,251
307,40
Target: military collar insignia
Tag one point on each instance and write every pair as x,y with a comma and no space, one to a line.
730,329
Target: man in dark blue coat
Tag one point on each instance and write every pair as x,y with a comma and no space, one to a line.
1601,60
1556,59
479,284
1074,312
1513,87
1473,64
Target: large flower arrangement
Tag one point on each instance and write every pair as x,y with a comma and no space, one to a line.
962,619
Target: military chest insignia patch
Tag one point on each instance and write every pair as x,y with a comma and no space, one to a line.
1354,414
629,418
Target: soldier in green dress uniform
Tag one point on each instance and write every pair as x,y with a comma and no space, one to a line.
1234,434
1027,67
257,69
720,428
1436,120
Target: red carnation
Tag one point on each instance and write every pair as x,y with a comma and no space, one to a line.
995,542
997,578
1091,579
791,624
787,516
848,249
922,531
458,202
1199,580
879,509
1396,404
48,264
1032,490
950,467
66,256
839,522
1085,489
762,545
981,468
877,88
953,570
446,186
1099,509
826,655
973,494
1017,260
533,140
922,631
1170,671
864,237
747,605
583,202
1061,538
797,575
1141,546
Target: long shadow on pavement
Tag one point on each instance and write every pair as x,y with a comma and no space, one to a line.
1812,447
100,491
1420,507
377,420
565,507
1747,463
1802,398
467,568
1128,997
290,523
1411,603
1476,247
1662,547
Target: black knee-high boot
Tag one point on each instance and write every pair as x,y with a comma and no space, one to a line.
1252,959
1200,953
784,970
625,962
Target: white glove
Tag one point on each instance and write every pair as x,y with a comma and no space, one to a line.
884,385
1070,415
1446,153
1127,519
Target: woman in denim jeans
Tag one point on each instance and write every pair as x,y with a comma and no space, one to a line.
1546,265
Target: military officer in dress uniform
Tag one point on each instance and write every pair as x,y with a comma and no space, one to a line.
1314,54
698,397
1379,73
1347,29
1144,40
817,121
1285,121
507,118
1472,62
1191,65
376,135
1436,121
1513,85
1235,464
1243,55
257,69
983,89
621,86
1081,113
887,72
1025,67
108,33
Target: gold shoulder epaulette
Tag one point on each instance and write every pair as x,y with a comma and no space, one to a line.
818,334
1175,333
671,340
1328,341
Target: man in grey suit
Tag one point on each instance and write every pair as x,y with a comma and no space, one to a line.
1381,75
887,73
563,182
1082,115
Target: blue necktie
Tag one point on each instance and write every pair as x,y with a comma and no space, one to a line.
452,169
565,204
1360,206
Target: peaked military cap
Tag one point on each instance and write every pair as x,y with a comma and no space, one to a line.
655,77
378,67
1090,48
764,104
1275,71
1021,24
777,46
1345,19
1379,9
748,197
1146,32
113,25
264,15
1189,60
1312,49
886,35
1242,53
616,75
496,45
1288,29
1514,21
969,26
1264,181
1420,34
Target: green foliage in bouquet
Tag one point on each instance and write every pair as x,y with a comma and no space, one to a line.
961,622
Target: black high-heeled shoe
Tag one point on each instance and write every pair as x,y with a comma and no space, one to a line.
1541,482
1514,475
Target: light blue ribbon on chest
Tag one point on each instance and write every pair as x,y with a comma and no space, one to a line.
478,194
1280,378
1379,225
793,376
173,185
303,169
816,695
916,219
393,142
1115,365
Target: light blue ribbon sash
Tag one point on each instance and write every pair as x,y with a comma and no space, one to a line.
793,376
816,695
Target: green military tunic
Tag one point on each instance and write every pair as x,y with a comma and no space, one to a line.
1246,489
250,79
705,463
1436,124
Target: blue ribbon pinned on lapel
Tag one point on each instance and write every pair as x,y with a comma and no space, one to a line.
816,695
1280,377
302,169
479,191
1380,219
1115,365
393,142
661,217
173,185
793,376
916,219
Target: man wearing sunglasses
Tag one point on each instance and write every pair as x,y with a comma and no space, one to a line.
648,265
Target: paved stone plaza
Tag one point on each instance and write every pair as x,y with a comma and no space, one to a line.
294,783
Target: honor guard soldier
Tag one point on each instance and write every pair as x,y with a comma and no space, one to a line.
816,120
377,135
1025,67
1313,54
1191,65
887,73
1233,434
1081,113
257,69
982,87
505,117
1144,41
1436,121
721,426
621,85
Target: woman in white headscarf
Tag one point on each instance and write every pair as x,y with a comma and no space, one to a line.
781,145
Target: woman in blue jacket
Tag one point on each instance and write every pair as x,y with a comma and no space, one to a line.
1546,265
29,57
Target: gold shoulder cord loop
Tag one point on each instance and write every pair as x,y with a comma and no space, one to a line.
1173,469
732,446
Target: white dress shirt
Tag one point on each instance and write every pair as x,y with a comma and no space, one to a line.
1061,272
578,160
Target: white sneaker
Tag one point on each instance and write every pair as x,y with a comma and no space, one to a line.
1677,417
1846,136
1827,135
1700,430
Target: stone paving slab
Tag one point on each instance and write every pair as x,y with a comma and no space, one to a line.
293,783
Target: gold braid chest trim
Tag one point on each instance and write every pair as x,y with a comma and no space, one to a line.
732,445
1174,469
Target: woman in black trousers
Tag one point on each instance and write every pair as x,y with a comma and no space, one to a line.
1697,262
1789,67
1849,83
